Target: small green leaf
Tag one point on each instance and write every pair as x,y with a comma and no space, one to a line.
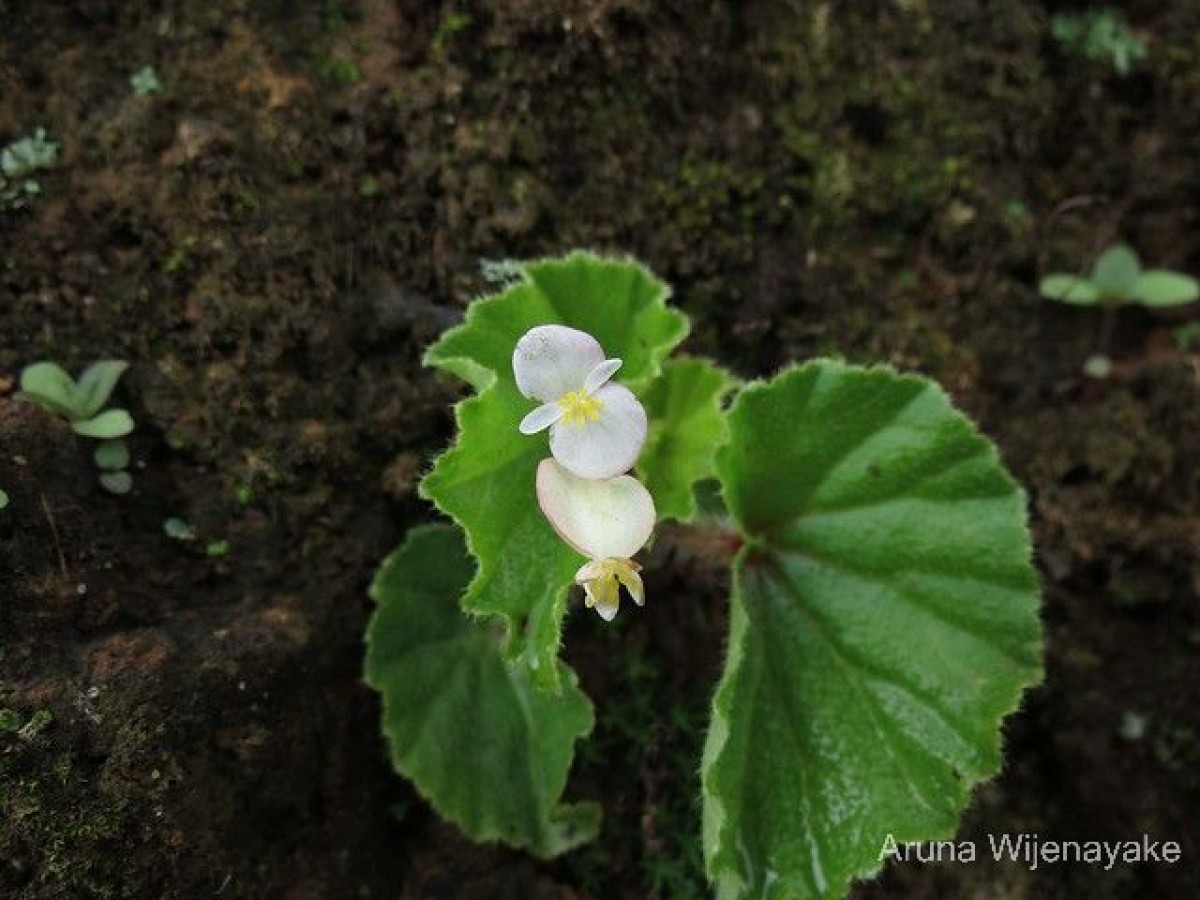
884,620
112,456
1069,289
95,386
685,406
178,529
486,481
49,386
116,482
3,500
1160,288
1097,366
481,742
1116,272
112,423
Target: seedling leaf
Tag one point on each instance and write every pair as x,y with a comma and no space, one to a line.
112,423
1159,288
1069,289
49,386
95,386
112,456
1116,272
116,482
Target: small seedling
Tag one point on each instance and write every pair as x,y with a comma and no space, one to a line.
18,162
81,403
145,81
3,499
1098,35
178,529
1118,279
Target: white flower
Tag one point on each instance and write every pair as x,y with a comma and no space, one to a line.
597,428
608,520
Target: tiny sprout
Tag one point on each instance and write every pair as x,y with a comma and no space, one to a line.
217,548
178,529
1098,367
116,482
1117,279
3,499
1098,34
19,161
145,81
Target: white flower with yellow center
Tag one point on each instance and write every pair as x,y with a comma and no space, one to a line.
608,520
597,428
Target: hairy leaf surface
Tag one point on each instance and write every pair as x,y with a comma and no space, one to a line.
884,620
483,744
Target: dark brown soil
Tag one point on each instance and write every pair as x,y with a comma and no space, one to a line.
273,238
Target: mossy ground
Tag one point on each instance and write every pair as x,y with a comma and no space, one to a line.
273,239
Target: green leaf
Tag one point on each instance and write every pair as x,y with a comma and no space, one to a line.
112,456
1069,289
95,386
884,620
112,423
1116,272
486,481
116,482
49,386
3,499
684,406
1160,288
487,748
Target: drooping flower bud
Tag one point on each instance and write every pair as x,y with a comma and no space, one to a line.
607,520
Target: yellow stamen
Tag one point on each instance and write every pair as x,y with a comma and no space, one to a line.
602,580
579,407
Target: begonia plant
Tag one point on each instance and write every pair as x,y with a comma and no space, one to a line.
883,617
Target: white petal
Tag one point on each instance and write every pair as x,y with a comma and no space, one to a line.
633,583
599,376
608,445
551,360
541,418
611,517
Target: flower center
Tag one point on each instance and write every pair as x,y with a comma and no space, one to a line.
579,407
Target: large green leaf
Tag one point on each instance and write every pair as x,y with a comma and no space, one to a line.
486,481
884,620
486,747
688,427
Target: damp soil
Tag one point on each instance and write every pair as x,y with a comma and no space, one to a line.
273,237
